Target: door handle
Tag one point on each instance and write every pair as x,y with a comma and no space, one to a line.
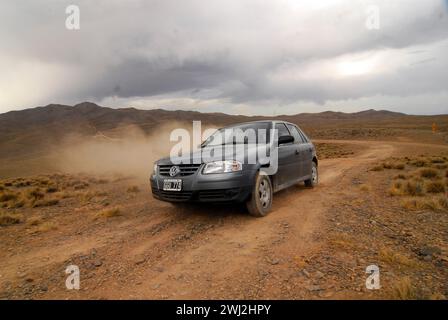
297,152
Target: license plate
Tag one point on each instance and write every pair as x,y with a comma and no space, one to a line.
172,184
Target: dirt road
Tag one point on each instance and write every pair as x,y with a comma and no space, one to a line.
156,250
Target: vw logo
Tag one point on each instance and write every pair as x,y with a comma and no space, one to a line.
174,170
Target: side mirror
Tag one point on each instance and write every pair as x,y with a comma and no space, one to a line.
285,140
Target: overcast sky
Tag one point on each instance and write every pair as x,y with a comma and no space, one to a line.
232,56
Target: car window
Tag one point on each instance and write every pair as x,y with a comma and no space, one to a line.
282,130
295,133
305,138
257,131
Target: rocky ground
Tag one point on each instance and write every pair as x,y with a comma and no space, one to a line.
316,243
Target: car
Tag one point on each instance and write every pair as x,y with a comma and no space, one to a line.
229,176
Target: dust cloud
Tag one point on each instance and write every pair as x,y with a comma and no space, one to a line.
129,152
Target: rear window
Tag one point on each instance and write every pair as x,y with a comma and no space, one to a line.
295,133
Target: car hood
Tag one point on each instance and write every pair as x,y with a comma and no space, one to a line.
246,153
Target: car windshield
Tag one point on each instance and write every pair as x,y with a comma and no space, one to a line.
246,133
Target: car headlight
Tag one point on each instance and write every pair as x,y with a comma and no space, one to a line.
154,170
222,167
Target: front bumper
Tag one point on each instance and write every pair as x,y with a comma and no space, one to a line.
221,187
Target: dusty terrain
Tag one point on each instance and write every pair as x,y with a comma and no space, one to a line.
74,191
316,243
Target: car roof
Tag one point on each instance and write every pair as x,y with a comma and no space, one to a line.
260,121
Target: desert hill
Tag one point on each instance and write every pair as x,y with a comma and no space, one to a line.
37,133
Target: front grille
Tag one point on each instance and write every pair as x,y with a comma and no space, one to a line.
185,169
173,195
220,194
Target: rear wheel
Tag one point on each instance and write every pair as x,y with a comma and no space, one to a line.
313,181
260,201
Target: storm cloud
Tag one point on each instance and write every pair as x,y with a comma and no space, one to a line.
251,57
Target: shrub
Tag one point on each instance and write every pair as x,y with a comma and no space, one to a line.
52,189
437,160
400,176
7,219
443,202
403,290
435,187
399,166
109,213
377,168
34,194
7,196
419,163
133,189
396,259
45,203
16,204
414,188
46,226
34,221
81,186
432,203
387,165
428,173
396,189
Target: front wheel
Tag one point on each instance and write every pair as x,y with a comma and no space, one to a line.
312,182
260,201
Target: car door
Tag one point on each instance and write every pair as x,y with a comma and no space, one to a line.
307,163
287,158
300,149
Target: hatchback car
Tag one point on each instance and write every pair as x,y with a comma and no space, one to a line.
242,171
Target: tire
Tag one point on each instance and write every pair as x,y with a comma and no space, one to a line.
314,180
260,201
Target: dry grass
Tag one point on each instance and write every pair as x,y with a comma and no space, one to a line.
109,213
45,203
365,188
34,194
81,186
7,218
8,196
420,186
377,168
403,290
437,160
394,165
419,163
435,186
34,221
133,189
414,188
52,189
343,242
335,150
64,194
396,259
433,203
46,226
428,173
88,196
